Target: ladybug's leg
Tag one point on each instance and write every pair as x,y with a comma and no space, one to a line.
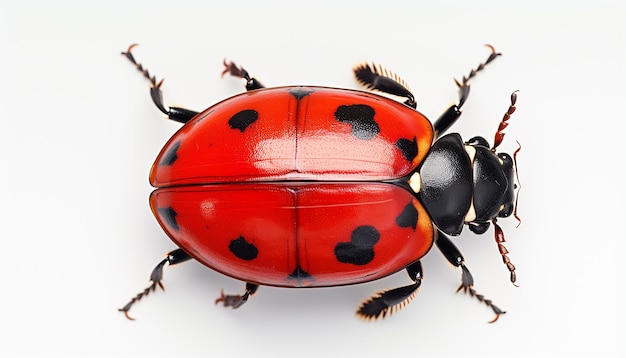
454,256
376,77
236,301
238,71
387,302
175,257
177,114
452,114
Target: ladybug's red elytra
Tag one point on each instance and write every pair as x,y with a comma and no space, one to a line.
306,186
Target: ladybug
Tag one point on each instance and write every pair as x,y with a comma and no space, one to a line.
307,186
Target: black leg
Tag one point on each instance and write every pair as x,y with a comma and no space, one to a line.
238,71
236,301
178,114
376,77
452,114
387,302
175,257
454,256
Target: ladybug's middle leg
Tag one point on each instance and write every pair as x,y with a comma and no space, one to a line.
454,256
172,258
376,77
387,302
238,71
236,301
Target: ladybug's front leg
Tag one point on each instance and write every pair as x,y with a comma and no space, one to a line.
454,256
236,301
175,257
387,302
452,114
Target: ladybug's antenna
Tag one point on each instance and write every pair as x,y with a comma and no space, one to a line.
499,235
504,122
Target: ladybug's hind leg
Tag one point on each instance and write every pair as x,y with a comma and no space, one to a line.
177,114
236,301
387,302
454,256
175,257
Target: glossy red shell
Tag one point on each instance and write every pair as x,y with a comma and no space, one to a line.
282,187
296,135
295,234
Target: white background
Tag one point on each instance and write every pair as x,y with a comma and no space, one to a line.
78,134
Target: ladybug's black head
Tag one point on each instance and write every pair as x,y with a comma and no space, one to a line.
493,181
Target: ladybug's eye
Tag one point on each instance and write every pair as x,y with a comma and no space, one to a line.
506,210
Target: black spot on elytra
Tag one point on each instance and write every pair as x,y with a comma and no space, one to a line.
241,120
243,249
361,118
171,155
300,92
408,148
169,216
360,249
408,217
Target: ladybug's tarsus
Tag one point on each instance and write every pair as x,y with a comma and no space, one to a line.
232,69
454,256
452,114
129,55
156,277
472,292
464,83
237,71
386,303
376,77
177,114
236,301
